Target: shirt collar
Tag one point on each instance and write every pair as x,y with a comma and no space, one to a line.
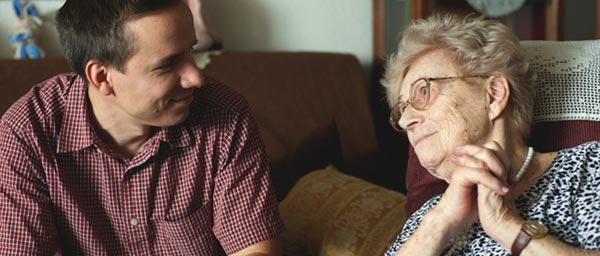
176,136
75,131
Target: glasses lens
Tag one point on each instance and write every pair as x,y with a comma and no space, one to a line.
420,94
395,116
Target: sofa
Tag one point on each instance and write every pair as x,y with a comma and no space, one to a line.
339,192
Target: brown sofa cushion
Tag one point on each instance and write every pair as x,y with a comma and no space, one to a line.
17,76
312,109
552,136
420,184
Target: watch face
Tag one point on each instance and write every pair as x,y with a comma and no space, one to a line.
535,229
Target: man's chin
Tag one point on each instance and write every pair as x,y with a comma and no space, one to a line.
174,119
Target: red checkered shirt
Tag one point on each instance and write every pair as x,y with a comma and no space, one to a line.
192,187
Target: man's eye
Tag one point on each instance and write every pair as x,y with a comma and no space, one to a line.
167,66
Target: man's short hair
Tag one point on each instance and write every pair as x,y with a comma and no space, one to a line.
97,30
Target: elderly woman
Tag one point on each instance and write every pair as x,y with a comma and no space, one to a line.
463,94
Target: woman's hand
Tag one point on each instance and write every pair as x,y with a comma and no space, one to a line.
496,209
475,166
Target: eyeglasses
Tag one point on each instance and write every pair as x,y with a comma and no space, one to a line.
420,98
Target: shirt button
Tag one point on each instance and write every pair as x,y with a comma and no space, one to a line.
134,222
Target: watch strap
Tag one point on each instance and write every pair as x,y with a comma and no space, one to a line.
520,243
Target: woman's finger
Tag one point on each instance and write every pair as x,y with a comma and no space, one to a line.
491,157
500,153
468,177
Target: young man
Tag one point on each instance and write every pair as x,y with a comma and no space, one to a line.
136,152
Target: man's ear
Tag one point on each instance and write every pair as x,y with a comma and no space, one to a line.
498,93
97,74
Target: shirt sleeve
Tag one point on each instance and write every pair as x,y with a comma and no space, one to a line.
245,207
26,219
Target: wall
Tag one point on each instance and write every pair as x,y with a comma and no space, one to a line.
287,25
296,25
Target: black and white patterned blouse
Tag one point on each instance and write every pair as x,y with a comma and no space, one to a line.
566,199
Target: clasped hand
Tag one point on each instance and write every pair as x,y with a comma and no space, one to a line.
478,189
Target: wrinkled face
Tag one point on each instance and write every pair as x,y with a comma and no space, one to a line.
456,115
158,80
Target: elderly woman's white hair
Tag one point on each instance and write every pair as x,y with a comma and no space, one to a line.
479,47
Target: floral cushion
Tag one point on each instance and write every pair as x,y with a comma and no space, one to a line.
330,213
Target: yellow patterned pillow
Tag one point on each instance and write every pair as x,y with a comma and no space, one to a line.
330,213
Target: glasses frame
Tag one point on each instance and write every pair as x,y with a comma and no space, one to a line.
401,105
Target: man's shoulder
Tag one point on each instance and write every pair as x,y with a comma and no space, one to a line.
42,101
216,95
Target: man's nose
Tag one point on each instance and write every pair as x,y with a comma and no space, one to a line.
191,76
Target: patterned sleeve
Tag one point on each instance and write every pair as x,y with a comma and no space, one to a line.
26,219
588,197
245,207
411,225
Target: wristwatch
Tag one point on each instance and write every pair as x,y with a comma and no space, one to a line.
531,229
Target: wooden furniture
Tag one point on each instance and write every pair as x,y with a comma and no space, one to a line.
545,20
550,10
